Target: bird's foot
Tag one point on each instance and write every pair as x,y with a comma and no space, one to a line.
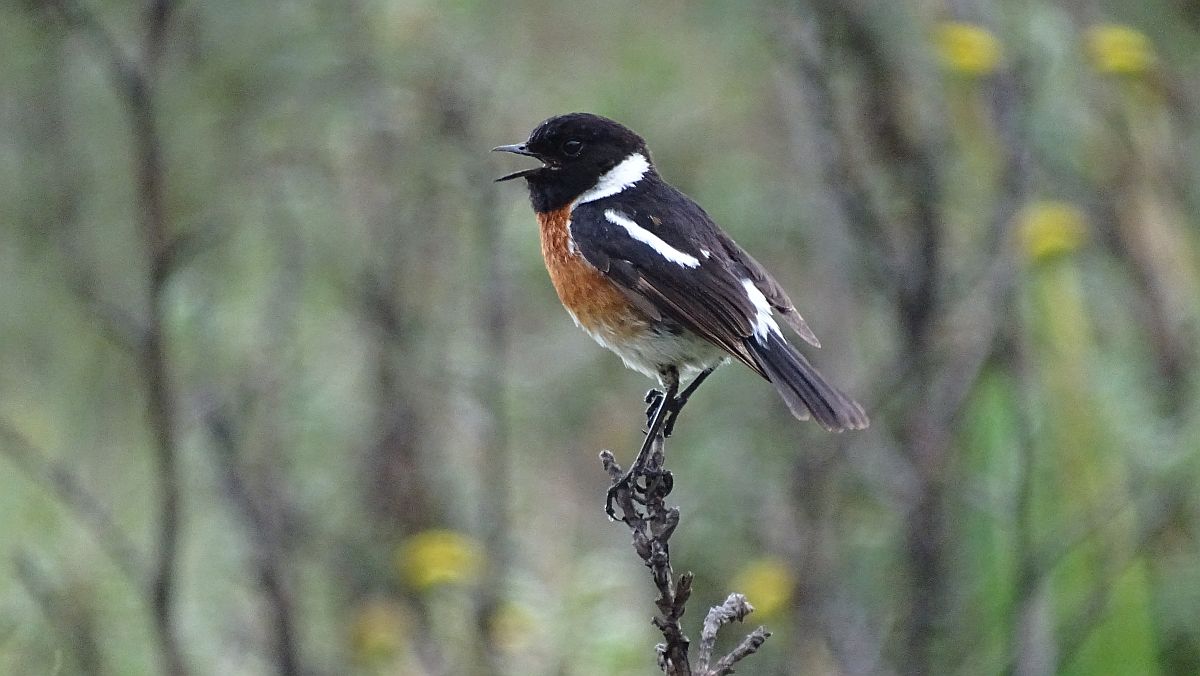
653,399
613,496
660,407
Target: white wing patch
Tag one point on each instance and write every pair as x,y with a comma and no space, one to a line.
660,247
763,321
624,175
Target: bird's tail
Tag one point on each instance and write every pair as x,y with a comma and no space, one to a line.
802,387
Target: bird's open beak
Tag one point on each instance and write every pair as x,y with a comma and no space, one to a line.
516,149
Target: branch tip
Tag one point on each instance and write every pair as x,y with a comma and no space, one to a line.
651,524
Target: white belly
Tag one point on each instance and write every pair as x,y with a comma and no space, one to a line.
653,349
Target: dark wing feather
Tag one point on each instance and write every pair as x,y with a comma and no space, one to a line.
674,263
774,293
708,299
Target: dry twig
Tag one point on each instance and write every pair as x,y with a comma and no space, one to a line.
644,510
134,80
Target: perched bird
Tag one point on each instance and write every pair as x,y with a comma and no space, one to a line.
649,275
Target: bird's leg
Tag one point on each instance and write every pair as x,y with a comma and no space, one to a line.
657,481
660,403
653,398
677,405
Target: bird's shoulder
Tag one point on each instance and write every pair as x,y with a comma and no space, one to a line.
640,221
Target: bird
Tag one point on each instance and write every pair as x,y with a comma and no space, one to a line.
648,274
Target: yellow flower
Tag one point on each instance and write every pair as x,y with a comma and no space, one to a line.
378,630
1119,49
1048,229
436,557
767,583
967,48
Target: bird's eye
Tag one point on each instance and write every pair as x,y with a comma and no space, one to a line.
572,147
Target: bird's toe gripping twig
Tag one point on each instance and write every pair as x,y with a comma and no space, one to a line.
628,489
649,460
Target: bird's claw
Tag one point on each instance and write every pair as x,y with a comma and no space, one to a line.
611,496
653,400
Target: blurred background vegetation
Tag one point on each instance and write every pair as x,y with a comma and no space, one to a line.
285,388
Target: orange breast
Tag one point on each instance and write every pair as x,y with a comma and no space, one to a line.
598,305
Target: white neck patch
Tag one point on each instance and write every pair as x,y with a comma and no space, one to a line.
624,175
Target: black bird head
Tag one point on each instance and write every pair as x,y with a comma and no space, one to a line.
576,150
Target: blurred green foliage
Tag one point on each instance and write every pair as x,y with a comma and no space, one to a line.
387,429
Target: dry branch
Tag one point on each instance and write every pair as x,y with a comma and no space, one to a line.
66,609
652,525
73,493
267,548
134,77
